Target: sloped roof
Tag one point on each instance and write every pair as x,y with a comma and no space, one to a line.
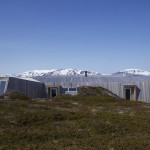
91,79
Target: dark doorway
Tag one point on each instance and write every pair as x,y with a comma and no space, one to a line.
53,92
128,94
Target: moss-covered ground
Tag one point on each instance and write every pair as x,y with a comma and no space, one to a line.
83,122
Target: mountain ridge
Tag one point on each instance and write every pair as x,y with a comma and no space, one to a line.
76,72
131,72
57,72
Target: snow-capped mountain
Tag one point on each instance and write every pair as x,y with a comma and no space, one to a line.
56,72
75,72
34,73
131,72
7,75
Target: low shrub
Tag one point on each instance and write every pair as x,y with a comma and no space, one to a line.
15,95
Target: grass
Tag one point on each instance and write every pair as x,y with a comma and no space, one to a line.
74,123
14,95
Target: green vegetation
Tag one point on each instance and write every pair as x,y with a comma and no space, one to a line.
14,95
83,122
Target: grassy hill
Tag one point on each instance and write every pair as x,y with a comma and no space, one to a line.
84,122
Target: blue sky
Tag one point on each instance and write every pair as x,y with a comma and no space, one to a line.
97,35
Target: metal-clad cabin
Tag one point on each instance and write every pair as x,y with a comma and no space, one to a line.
27,86
135,88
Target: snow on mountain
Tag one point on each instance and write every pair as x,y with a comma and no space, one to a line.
34,73
131,72
70,72
6,75
75,72
56,72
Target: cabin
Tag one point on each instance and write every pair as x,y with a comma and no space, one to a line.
133,88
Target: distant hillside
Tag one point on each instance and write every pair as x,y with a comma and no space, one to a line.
57,72
131,72
76,72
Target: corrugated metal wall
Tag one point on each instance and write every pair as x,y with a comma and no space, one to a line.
115,84
30,88
112,83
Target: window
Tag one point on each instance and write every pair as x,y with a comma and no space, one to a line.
2,87
72,89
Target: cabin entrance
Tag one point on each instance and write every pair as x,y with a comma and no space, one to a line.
130,92
127,94
52,92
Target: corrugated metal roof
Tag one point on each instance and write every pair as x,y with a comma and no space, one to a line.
91,79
